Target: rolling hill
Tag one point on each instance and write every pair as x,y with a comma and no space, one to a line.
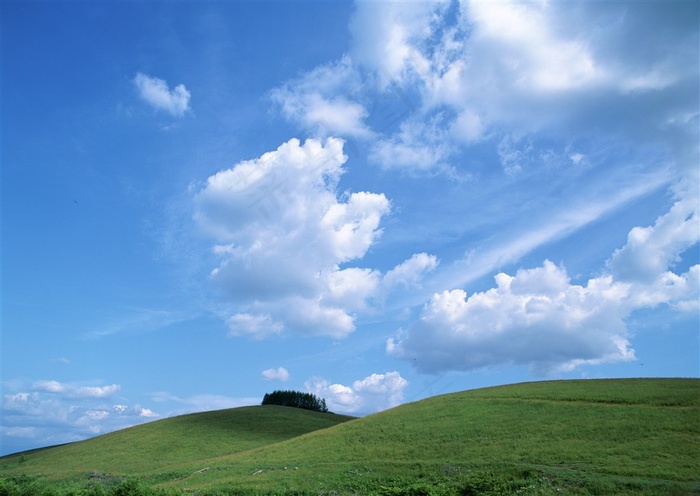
626,436
163,445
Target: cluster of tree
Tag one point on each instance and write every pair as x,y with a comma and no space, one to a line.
296,399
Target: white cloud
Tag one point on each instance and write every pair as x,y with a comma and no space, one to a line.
577,158
76,392
468,127
416,147
25,432
95,414
156,93
278,374
530,50
650,250
515,67
320,101
385,35
538,318
524,236
282,233
371,394
315,317
534,318
148,413
97,391
50,412
519,80
410,272
654,80
258,326
337,116
350,287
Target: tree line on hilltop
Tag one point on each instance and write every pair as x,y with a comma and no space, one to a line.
296,399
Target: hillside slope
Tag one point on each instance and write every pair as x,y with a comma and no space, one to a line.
628,436
164,445
634,434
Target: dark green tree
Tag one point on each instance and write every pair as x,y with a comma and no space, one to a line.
295,399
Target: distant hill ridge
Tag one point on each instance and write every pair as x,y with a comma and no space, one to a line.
575,437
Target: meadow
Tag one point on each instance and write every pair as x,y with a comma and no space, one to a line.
617,436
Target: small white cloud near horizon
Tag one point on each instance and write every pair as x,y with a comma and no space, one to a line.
148,413
374,393
278,374
156,93
46,413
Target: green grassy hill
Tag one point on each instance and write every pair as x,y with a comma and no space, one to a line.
638,436
164,446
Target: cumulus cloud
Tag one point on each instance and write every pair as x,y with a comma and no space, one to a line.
156,93
536,317
278,374
283,232
540,319
518,79
373,393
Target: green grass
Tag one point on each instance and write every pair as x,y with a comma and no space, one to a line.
639,436
165,445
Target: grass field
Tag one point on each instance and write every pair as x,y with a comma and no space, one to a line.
637,436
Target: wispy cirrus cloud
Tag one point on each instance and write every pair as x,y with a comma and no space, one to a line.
135,320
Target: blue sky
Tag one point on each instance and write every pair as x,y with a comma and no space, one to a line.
373,202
